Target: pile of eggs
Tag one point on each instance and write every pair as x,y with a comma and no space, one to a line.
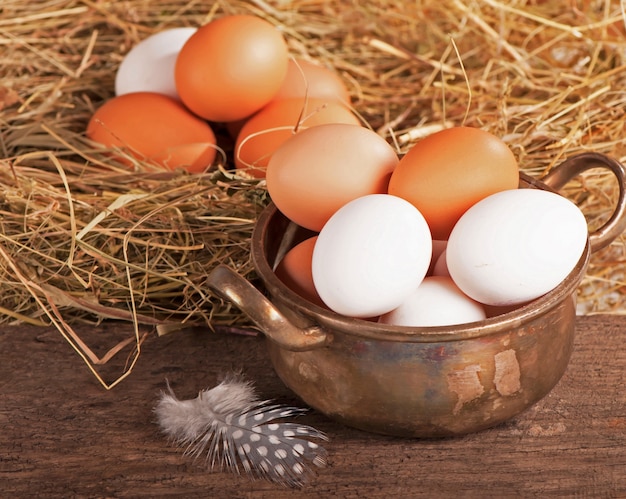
440,236
173,88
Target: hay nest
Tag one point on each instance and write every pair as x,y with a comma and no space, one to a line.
84,238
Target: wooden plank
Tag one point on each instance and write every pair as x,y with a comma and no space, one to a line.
63,435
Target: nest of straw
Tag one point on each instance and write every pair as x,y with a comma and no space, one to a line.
83,238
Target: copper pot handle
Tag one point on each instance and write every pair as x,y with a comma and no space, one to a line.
570,168
230,286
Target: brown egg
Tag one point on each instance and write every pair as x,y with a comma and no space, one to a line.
155,128
306,78
294,270
446,173
231,67
264,132
320,169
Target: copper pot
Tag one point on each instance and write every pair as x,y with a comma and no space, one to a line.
420,381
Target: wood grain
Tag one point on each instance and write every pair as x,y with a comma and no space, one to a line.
63,435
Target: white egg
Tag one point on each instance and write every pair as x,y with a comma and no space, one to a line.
515,246
149,65
370,255
436,302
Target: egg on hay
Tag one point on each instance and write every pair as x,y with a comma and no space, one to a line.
264,132
154,127
308,79
231,67
149,65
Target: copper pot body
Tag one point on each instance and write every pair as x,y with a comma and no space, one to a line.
423,381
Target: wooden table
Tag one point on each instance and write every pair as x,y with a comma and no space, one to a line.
63,435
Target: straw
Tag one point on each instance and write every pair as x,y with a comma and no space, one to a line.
86,238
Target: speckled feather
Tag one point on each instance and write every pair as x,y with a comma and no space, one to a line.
233,430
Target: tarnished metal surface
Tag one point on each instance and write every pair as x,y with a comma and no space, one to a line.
415,382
